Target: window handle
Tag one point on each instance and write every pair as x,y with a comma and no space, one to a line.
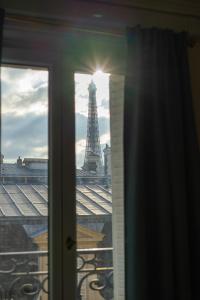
70,243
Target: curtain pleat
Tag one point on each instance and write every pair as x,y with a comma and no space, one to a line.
2,15
162,169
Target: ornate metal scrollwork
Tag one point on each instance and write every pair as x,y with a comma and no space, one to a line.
95,272
21,277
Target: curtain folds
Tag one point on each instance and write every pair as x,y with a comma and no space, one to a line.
2,15
162,170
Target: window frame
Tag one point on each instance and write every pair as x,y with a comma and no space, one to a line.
55,52
20,47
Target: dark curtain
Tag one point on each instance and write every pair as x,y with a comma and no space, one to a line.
2,14
162,168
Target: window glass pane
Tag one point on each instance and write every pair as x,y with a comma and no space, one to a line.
24,183
93,187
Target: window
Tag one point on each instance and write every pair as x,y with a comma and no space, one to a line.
93,187
24,182
59,55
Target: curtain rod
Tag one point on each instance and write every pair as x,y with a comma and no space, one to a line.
65,25
61,24
137,7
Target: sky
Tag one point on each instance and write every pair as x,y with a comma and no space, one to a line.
24,97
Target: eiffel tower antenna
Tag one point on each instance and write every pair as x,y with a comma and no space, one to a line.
93,157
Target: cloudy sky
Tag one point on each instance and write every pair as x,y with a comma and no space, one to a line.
25,110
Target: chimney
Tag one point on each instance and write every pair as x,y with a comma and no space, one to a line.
1,159
19,162
107,160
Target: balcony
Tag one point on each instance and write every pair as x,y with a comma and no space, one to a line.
24,275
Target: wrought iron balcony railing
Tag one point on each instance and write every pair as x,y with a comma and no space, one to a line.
24,275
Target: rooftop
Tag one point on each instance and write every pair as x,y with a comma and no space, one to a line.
28,200
12,169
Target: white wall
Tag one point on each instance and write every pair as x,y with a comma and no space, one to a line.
116,119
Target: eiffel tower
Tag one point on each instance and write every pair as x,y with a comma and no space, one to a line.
93,158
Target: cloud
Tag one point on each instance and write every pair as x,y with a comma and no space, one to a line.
80,146
104,126
105,138
41,151
24,113
81,126
35,102
26,136
82,82
23,79
81,134
105,104
10,74
80,152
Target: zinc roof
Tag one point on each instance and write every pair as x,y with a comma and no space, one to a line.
29,200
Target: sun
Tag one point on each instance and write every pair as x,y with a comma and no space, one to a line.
98,73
